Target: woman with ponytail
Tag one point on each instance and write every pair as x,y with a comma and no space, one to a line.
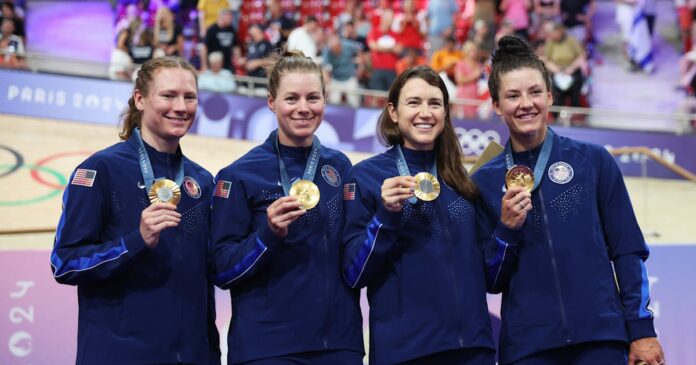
564,246
411,240
276,223
133,235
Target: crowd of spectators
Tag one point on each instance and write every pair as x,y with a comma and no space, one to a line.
12,35
360,43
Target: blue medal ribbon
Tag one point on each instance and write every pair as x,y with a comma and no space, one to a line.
310,168
402,166
542,160
146,166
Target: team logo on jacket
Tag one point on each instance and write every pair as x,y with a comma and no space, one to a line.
330,175
561,172
191,187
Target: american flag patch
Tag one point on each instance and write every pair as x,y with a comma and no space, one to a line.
222,189
84,177
349,191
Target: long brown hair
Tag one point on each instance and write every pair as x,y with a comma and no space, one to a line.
131,116
450,161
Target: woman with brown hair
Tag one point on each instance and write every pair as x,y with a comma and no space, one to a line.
412,240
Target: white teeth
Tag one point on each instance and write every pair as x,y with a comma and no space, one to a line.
424,126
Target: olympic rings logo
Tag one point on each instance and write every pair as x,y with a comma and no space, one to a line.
474,141
35,170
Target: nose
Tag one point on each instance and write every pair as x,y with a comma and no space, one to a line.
424,110
180,103
526,101
302,106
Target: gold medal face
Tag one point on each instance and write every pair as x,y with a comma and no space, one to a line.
427,187
306,192
520,176
165,191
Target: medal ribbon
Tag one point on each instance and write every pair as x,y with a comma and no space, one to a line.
146,166
310,168
542,160
402,166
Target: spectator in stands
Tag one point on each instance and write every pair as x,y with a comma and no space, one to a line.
363,26
565,58
121,64
209,13
411,27
504,29
11,46
259,51
304,38
577,18
279,24
445,58
143,49
339,64
384,51
441,19
412,58
483,36
467,73
517,12
220,37
215,77
133,22
546,10
168,35
8,12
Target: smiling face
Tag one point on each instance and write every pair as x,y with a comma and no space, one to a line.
420,114
299,105
168,110
523,103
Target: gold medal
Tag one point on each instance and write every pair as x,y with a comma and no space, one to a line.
520,176
165,191
306,192
427,187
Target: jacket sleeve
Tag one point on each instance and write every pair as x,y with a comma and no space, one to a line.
80,254
627,248
369,233
239,251
498,245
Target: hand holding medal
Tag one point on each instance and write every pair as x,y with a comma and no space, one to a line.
517,201
396,190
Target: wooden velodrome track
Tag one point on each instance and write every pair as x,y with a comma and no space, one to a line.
50,149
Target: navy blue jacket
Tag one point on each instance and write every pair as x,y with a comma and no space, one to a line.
137,305
287,293
423,269
557,279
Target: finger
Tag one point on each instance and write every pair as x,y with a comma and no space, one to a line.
284,220
155,220
285,207
158,228
166,214
160,206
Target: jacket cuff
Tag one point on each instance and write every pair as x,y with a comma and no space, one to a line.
134,242
389,219
509,236
640,328
268,238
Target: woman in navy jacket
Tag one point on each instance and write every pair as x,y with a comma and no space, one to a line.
419,259
140,268
567,252
277,254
